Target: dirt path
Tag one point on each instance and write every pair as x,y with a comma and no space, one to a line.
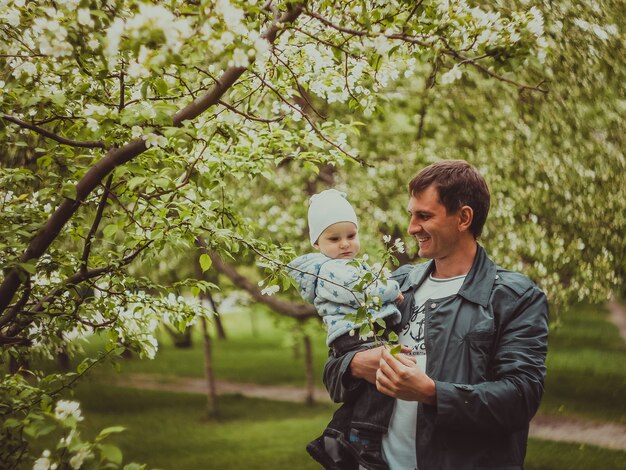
168,383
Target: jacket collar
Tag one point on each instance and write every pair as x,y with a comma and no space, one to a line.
478,283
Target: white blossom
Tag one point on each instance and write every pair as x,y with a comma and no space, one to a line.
233,16
66,409
136,131
451,75
270,290
43,462
84,17
13,18
27,68
155,140
382,44
239,58
535,25
79,458
93,44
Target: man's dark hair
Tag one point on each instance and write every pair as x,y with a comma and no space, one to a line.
458,184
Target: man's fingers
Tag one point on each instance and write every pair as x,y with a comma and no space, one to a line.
383,384
408,361
394,362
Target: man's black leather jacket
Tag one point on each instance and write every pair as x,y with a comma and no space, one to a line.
486,349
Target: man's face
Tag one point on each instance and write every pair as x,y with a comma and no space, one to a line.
340,240
437,232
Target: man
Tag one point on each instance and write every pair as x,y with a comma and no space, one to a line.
477,333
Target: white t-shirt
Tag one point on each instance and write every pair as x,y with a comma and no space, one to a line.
399,443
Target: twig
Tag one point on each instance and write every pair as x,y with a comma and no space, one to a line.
94,226
51,135
311,123
248,116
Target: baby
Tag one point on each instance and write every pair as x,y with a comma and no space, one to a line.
326,280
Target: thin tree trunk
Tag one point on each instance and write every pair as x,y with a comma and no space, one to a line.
63,360
253,325
308,367
211,401
207,344
182,340
219,327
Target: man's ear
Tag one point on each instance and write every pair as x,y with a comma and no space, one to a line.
466,216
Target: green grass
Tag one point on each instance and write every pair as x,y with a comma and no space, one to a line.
551,455
586,377
586,361
586,368
168,430
263,353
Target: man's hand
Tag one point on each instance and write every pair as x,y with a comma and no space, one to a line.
365,364
399,299
399,378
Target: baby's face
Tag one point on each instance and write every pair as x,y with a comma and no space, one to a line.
339,241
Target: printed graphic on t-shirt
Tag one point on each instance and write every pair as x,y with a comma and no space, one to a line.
415,329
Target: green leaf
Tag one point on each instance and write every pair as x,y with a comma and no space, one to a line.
134,466
108,431
69,191
29,267
83,366
395,350
111,453
109,230
136,181
161,86
392,337
12,423
144,89
286,284
205,262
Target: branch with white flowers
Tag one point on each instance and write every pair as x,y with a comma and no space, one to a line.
118,156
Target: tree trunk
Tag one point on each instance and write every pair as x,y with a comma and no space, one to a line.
181,340
219,327
253,324
211,401
63,360
207,343
308,367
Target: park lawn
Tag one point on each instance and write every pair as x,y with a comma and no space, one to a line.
168,431
586,361
586,367
259,349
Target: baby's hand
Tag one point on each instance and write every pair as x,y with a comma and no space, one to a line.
399,299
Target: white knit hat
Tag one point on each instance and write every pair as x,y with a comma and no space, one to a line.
327,208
